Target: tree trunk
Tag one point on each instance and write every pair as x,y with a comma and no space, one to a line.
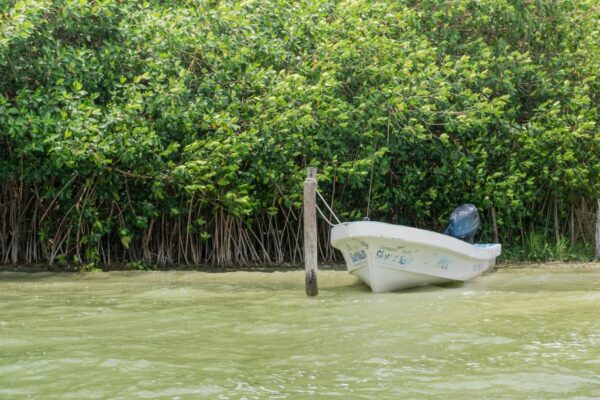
598,229
495,225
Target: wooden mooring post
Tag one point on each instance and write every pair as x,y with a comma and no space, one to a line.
310,232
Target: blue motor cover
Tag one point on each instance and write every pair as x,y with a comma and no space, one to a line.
463,223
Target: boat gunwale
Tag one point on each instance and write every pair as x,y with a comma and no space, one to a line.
362,230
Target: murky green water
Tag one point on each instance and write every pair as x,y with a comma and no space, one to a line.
515,334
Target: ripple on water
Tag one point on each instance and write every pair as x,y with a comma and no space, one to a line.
470,339
13,342
177,392
525,382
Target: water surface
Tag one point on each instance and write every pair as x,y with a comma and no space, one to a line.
515,334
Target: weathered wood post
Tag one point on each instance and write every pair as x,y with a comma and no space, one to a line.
598,229
310,232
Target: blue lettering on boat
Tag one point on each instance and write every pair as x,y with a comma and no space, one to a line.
442,264
383,255
358,256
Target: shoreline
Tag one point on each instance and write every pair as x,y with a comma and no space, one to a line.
36,268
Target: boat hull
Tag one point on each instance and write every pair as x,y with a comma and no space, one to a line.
393,257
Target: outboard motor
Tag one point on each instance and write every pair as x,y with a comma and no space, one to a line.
464,222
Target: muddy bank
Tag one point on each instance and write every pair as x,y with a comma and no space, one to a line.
552,265
261,268
204,268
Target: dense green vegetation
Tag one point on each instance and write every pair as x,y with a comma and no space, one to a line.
179,131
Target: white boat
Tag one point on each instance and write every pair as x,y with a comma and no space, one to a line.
392,257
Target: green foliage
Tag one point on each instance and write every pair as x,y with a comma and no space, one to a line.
538,248
120,120
89,268
139,265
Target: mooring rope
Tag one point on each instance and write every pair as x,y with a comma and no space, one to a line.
325,218
369,196
329,208
332,213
